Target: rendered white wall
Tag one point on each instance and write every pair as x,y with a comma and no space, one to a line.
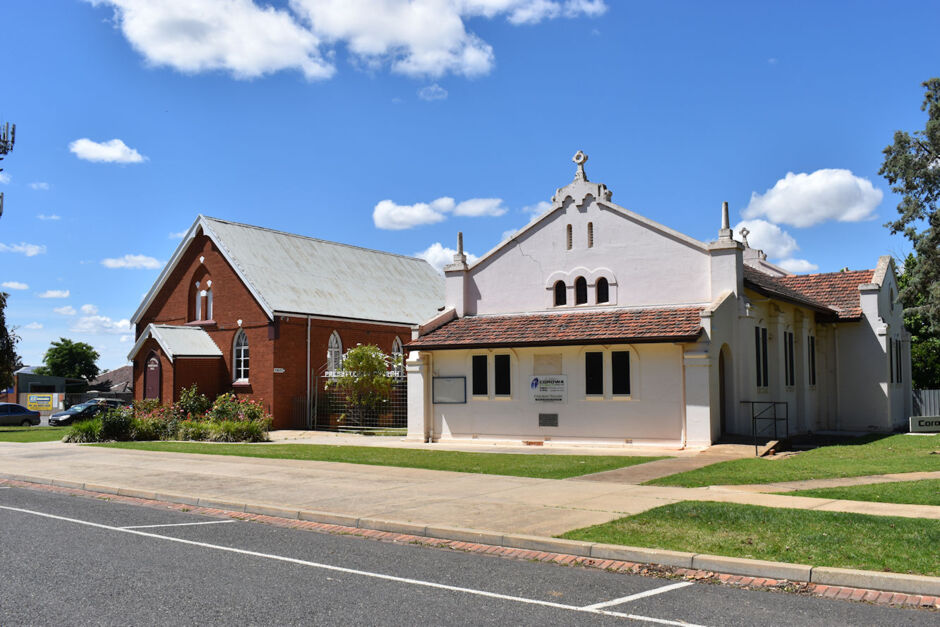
653,414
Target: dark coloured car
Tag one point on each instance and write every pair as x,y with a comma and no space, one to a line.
13,414
83,411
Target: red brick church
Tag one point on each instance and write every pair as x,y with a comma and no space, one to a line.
261,313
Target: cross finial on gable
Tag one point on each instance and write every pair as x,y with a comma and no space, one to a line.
580,158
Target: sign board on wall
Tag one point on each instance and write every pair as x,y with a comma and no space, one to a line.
549,388
279,371
449,390
925,424
39,402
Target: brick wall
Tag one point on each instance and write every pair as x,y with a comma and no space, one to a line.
280,344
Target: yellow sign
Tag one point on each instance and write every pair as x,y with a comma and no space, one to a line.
39,402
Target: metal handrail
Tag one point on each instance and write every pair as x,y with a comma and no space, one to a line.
771,408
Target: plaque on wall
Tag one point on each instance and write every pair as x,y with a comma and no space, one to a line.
549,388
449,390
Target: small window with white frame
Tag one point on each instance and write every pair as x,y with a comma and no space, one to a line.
789,370
240,357
334,353
761,361
398,357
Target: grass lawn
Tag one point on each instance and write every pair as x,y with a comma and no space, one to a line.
926,492
31,434
868,455
516,465
902,545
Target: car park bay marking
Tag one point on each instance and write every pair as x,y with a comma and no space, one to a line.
353,571
211,522
639,595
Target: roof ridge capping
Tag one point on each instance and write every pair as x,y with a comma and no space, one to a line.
308,237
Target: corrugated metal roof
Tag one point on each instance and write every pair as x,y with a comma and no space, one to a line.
297,274
178,341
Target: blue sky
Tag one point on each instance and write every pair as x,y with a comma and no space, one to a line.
334,118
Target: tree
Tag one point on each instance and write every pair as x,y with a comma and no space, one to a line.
75,360
366,382
925,342
9,360
912,167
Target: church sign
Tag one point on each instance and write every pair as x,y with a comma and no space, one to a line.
551,388
925,424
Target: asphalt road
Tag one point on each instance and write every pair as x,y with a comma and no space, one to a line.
76,560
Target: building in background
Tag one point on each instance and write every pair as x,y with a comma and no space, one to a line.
262,313
596,324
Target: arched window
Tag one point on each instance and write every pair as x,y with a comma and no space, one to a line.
590,235
568,237
602,290
197,301
240,356
334,353
398,357
561,293
580,291
209,304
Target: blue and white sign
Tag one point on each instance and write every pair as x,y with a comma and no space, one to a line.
549,388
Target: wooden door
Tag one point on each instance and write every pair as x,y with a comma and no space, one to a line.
152,378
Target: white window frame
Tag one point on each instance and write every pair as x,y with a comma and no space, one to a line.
334,353
241,357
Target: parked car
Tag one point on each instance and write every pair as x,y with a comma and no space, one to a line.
83,411
13,414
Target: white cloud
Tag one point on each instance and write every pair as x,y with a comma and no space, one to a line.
14,285
100,325
394,217
432,92
797,266
40,185
132,261
477,207
4,178
236,36
537,209
178,235
112,151
439,256
777,243
68,310
126,338
412,37
51,216
806,199
30,250
89,310
55,294
33,326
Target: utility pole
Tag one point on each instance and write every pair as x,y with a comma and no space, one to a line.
7,138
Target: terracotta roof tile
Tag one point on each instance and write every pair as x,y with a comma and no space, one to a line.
836,290
553,328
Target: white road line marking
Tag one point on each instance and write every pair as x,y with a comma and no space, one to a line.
211,522
639,595
353,571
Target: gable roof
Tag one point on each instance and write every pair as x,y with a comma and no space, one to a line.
118,380
836,290
290,273
604,326
832,293
177,341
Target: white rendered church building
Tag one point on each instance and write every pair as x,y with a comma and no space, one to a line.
594,324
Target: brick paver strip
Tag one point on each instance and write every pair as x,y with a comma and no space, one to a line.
854,594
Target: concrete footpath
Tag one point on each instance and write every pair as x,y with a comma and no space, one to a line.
413,500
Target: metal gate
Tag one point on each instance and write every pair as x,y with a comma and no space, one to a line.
333,412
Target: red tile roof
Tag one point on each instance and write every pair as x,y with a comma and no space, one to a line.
836,290
833,293
577,327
